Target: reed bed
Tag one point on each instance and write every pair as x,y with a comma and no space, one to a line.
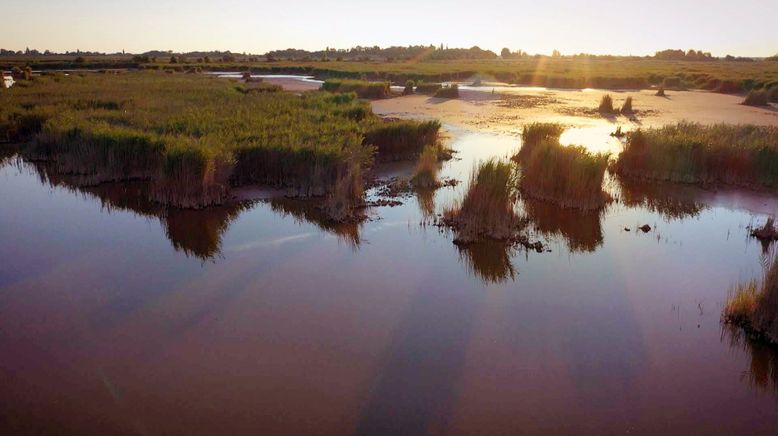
568,176
428,88
195,136
738,155
754,306
363,88
402,140
426,175
487,210
757,97
450,91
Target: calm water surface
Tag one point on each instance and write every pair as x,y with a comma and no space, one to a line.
121,317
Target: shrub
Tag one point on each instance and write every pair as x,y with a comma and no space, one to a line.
451,91
671,82
740,155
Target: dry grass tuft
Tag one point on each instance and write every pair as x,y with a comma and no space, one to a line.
426,176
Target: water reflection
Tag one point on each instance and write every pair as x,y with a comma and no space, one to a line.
672,200
426,200
582,231
307,211
488,260
196,233
762,372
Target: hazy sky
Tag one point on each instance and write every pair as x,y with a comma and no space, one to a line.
743,27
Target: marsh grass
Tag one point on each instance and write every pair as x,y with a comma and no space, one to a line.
426,174
195,136
487,209
606,105
409,87
626,109
363,88
754,306
428,88
401,140
450,91
757,98
568,176
738,155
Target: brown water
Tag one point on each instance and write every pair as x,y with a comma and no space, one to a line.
121,317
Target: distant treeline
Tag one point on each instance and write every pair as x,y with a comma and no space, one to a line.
374,53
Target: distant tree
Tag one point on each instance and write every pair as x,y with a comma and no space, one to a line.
80,60
505,53
556,54
173,60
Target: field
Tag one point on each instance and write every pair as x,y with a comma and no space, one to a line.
562,72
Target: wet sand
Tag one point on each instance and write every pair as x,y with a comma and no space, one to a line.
508,109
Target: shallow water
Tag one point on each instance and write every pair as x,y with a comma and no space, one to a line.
121,317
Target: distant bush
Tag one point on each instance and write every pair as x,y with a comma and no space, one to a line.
451,91
409,87
672,82
757,98
363,88
427,88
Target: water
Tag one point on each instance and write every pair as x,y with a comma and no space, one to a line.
122,317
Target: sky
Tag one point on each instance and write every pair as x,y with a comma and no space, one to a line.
740,28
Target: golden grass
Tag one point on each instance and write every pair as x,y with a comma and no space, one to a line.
754,306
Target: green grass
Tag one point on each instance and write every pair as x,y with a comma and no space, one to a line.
561,72
487,209
195,136
363,88
401,140
739,155
754,305
568,176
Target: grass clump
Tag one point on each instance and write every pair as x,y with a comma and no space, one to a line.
626,109
487,210
606,105
568,176
426,176
450,91
401,140
409,87
754,306
757,98
427,88
661,92
739,155
534,134
363,88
